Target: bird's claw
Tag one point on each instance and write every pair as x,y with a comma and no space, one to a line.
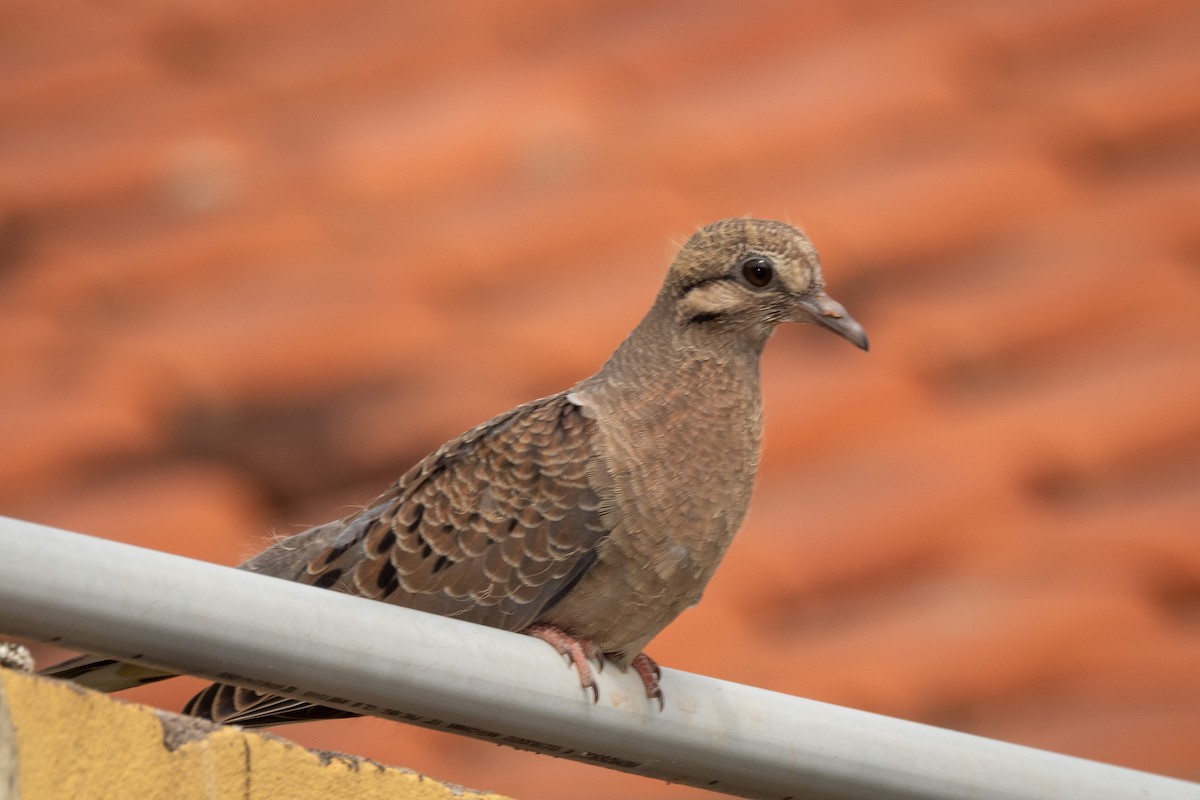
648,670
578,651
583,652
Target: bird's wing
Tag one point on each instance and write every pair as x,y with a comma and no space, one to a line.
495,528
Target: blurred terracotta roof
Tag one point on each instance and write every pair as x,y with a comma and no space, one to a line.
257,257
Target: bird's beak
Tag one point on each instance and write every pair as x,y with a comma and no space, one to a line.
823,310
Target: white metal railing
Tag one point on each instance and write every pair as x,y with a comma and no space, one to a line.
224,624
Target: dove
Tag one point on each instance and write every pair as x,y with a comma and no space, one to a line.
590,518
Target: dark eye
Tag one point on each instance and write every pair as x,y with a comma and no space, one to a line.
757,271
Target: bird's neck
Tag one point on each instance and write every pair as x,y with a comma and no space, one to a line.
679,419
666,362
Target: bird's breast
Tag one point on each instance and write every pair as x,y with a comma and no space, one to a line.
679,468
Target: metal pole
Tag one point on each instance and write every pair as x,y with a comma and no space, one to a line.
219,623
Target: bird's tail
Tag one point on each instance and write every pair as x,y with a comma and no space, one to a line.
240,706
105,674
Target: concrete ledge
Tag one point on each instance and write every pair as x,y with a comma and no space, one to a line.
59,740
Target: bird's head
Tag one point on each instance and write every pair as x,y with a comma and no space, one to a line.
751,275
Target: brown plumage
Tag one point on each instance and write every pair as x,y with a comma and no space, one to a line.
590,518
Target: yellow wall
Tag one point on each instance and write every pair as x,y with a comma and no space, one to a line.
59,741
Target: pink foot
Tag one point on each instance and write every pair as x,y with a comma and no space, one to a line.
647,669
579,651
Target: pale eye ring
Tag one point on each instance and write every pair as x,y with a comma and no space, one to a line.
758,271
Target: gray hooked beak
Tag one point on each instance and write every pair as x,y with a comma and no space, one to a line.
824,310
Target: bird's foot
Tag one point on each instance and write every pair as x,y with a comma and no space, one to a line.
647,669
579,651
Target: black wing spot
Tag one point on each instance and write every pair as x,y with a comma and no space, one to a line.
332,554
580,569
386,576
418,515
441,563
438,467
328,579
386,542
498,536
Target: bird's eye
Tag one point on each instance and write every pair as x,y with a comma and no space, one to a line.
757,271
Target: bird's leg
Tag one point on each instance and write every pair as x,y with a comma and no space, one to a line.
579,651
647,669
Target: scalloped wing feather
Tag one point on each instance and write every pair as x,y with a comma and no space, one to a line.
494,527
